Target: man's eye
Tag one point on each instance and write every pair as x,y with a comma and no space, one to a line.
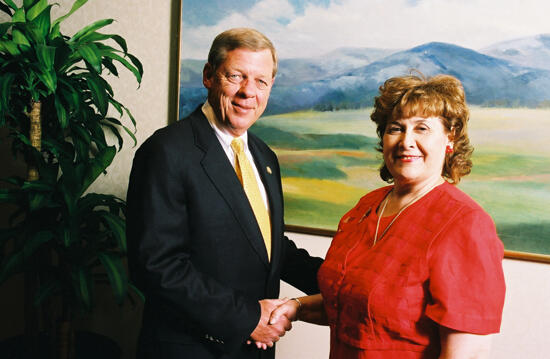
262,84
234,78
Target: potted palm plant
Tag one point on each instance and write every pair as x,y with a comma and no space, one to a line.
57,107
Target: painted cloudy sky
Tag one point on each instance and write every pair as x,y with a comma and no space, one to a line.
305,28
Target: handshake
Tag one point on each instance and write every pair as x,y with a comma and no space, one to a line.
276,319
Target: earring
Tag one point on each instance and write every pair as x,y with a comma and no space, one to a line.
449,149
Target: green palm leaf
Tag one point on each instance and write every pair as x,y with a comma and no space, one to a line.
11,4
137,291
102,160
82,285
96,37
116,273
10,266
37,9
61,112
9,47
55,32
27,4
37,185
48,78
136,63
131,116
99,93
19,38
131,134
7,196
89,29
18,15
91,55
13,263
137,71
5,8
46,290
46,56
98,136
69,94
115,132
117,227
67,236
6,82
77,4
41,25
7,235
5,26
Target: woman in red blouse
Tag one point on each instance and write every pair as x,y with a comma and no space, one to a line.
415,268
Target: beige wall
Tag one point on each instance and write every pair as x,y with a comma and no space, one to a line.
150,28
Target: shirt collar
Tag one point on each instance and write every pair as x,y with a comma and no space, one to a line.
221,133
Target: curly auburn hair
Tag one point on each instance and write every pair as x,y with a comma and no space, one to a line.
439,96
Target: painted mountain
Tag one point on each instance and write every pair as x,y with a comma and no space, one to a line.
528,51
291,72
349,78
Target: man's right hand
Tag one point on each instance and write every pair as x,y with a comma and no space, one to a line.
265,334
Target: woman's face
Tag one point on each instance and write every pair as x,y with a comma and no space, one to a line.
414,149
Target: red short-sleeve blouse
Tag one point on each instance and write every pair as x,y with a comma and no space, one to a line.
440,263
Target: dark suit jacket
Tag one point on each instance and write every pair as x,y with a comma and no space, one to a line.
195,248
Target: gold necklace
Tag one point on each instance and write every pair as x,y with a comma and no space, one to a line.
416,198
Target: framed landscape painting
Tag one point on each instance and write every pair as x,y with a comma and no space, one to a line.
333,56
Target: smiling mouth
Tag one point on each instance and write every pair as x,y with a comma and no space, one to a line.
408,158
243,107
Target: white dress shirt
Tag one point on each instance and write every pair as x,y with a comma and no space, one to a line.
225,140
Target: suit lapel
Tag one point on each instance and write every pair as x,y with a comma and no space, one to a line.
223,176
266,168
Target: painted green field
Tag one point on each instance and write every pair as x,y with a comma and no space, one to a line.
328,162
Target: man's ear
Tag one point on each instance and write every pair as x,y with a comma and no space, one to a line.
207,75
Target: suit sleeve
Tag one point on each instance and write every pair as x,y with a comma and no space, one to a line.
299,268
159,255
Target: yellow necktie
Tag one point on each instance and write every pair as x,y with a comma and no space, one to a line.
248,179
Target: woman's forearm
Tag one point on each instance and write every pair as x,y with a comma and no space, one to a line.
460,345
308,309
312,310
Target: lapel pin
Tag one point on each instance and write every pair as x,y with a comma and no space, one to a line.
268,169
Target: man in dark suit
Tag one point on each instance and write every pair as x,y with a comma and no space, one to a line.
205,218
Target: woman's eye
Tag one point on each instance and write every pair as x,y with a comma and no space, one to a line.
394,129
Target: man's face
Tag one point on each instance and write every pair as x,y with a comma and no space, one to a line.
239,89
